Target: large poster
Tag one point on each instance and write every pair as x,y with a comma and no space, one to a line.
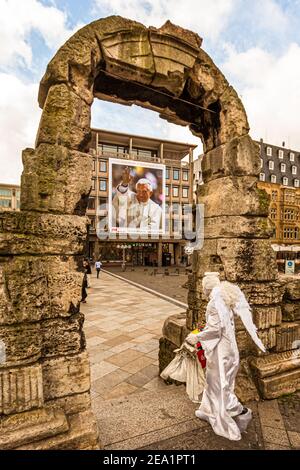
136,197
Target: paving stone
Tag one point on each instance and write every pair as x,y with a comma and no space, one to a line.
121,390
275,436
137,365
138,379
294,438
124,357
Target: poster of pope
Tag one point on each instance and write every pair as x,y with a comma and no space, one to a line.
136,197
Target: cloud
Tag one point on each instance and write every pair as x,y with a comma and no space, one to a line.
18,20
208,19
270,89
19,118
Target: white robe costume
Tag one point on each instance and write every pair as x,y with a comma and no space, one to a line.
219,403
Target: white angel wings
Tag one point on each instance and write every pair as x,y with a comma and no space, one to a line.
243,310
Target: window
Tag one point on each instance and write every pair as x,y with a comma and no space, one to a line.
296,183
262,177
292,156
144,153
5,203
271,165
274,195
92,222
273,178
269,151
91,203
103,166
176,173
167,191
294,170
280,153
285,181
261,163
185,192
5,192
282,167
94,164
175,191
185,175
93,184
103,185
167,173
273,213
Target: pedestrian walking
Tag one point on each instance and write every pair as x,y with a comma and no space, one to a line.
98,266
83,289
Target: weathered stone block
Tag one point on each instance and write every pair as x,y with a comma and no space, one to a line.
82,434
166,353
275,364
288,336
233,196
262,293
233,118
238,227
22,344
26,233
56,179
31,426
267,316
36,288
65,376
291,311
174,329
247,260
245,387
21,389
239,157
65,120
281,384
71,404
63,336
248,347
292,287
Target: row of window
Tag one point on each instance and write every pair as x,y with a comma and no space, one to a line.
289,197
175,189
287,214
285,180
176,171
280,154
109,149
282,167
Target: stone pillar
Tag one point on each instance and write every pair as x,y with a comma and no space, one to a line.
159,254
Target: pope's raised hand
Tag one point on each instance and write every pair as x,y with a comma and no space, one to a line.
126,177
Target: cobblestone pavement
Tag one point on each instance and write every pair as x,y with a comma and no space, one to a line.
170,285
134,408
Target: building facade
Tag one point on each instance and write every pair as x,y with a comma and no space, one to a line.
280,177
9,197
164,250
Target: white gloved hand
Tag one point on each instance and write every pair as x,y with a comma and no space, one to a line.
192,339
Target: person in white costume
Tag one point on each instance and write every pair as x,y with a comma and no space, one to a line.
219,405
136,209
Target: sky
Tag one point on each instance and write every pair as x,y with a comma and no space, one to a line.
255,43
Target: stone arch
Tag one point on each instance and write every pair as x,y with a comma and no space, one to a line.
46,373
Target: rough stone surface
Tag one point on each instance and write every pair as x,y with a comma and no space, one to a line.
23,233
23,428
65,120
36,288
66,376
238,157
56,179
288,336
223,197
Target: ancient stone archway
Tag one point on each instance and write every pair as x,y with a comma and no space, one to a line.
45,400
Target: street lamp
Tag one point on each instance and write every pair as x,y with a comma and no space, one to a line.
124,247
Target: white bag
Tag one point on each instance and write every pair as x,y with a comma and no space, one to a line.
186,368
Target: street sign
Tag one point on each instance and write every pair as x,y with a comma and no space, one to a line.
289,267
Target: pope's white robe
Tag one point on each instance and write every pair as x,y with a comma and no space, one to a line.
129,212
219,403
